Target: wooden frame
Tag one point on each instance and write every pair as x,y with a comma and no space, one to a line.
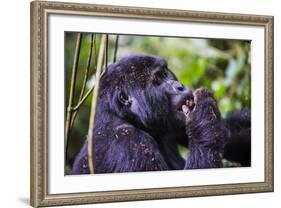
39,103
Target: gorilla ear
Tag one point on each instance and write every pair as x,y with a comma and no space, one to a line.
124,99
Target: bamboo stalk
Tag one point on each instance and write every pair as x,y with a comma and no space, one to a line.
106,52
86,74
94,103
88,66
72,90
115,48
105,61
83,99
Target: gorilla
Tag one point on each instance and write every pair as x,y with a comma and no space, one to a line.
144,113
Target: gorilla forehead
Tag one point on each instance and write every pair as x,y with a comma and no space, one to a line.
135,69
143,61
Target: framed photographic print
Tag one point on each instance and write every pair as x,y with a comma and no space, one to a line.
140,103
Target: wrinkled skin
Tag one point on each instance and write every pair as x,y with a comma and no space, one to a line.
143,113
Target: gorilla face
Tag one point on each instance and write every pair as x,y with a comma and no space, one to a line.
147,94
175,91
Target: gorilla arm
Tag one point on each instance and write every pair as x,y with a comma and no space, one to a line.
238,147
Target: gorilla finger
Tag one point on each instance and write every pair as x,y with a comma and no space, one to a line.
185,109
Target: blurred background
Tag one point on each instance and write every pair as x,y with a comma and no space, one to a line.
223,66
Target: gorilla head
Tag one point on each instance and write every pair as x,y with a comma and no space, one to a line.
142,91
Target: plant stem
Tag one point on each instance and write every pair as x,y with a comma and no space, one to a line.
106,51
72,91
87,69
115,48
94,104
83,99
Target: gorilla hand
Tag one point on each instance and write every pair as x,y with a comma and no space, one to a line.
207,133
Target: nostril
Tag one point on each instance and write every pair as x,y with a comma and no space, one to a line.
180,88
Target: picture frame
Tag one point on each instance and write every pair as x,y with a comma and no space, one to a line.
41,84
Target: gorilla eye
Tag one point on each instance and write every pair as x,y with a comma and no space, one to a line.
124,99
158,76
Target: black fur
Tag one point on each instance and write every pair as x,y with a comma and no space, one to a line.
238,148
139,123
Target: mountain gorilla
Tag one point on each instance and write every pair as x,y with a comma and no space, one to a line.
144,113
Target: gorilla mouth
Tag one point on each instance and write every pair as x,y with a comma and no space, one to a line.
187,101
190,103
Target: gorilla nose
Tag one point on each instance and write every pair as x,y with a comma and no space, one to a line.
180,88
